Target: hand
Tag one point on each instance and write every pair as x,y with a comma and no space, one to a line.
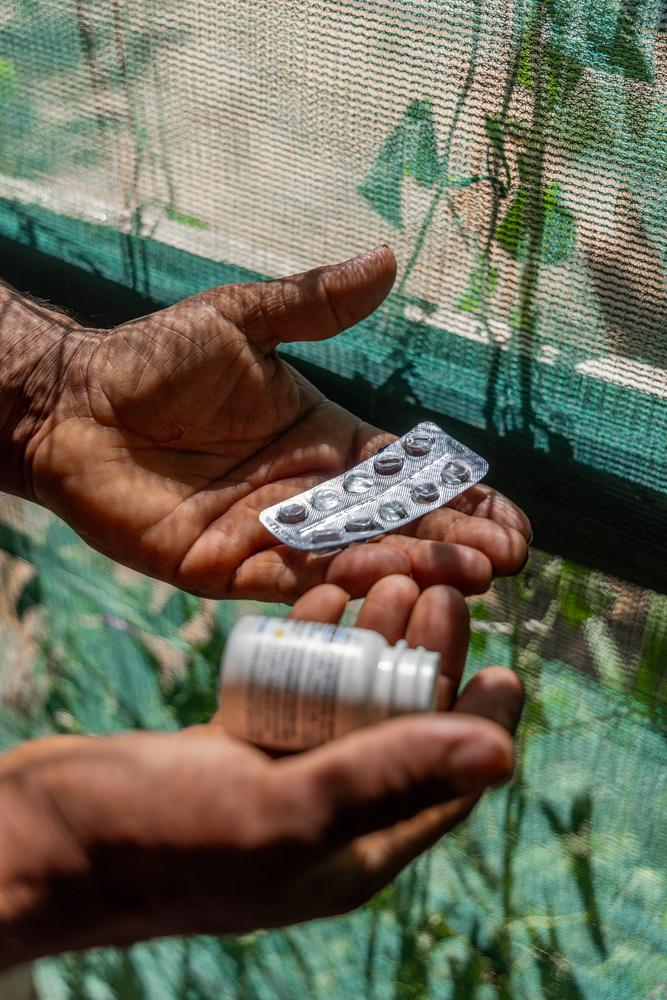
171,433
107,841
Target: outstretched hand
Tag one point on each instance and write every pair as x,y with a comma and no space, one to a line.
107,841
172,432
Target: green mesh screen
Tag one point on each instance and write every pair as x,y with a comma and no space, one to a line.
515,156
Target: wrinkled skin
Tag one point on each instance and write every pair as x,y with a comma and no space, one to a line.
108,841
170,433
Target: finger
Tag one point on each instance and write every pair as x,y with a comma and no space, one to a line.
325,604
484,502
495,693
379,857
376,777
356,569
356,872
505,547
388,606
479,501
316,304
283,574
433,562
440,622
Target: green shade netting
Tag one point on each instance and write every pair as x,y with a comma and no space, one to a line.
514,155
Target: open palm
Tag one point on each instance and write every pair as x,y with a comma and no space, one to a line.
173,431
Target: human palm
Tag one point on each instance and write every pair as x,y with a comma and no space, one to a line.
172,432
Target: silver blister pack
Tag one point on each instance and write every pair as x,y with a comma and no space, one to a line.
421,471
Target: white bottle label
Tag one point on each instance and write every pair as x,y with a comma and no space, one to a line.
293,676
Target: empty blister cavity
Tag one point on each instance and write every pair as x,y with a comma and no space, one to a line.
454,473
325,498
424,492
388,463
418,443
392,511
357,482
292,513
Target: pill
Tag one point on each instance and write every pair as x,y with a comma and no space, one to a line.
418,443
392,511
325,499
357,482
424,492
455,472
361,523
326,535
292,513
388,463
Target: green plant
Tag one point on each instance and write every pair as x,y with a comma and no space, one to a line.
98,670
556,73
533,897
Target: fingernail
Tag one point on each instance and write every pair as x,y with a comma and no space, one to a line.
482,763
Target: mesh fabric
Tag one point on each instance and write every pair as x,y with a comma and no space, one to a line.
514,155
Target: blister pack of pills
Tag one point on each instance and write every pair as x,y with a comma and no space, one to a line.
421,471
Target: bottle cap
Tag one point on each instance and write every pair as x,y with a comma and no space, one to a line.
415,678
405,681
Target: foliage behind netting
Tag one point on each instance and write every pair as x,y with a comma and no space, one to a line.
514,154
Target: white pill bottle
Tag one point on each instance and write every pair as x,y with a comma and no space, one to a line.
290,685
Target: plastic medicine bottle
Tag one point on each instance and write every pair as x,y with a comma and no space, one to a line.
292,684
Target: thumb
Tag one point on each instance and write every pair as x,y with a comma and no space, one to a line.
316,304
380,776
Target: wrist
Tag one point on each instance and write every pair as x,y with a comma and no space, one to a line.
38,348
41,859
